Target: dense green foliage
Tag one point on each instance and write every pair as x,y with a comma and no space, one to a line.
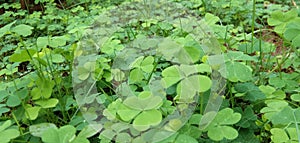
144,71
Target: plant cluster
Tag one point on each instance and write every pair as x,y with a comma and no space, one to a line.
150,71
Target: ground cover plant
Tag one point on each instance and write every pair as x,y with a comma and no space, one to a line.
149,71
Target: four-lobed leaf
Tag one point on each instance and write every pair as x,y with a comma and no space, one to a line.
7,132
220,127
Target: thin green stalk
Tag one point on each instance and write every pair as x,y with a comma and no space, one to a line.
253,23
39,73
201,104
230,93
61,103
154,68
16,120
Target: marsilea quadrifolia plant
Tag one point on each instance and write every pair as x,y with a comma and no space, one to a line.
159,58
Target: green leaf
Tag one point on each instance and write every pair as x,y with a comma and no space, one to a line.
13,101
136,75
173,125
236,71
175,52
54,42
147,64
279,19
22,56
123,137
6,133
227,117
57,58
22,29
47,103
5,29
146,119
44,89
220,132
3,109
219,129
110,47
127,114
107,134
171,75
252,92
188,87
279,135
89,131
273,107
182,138
63,135
284,117
277,82
42,42
211,19
38,129
57,41
292,32
238,56
32,112
143,103
295,97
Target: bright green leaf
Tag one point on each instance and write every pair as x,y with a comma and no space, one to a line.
47,103
22,56
146,119
22,29
32,112
38,129
5,29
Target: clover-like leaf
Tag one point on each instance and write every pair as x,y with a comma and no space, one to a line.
57,58
127,114
147,64
173,125
252,92
182,138
220,132
13,101
145,101
279,19
47,103
86,70
284,135
7,133
5,29
32,112
57,41
22,56
136,75
219,128
3,109
273,107
44,89
292,32
236,71
238,56
22,29
295,97
171,75
174,74
62,135
146,119
175,52
286,116
111,46
38,129
189,86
